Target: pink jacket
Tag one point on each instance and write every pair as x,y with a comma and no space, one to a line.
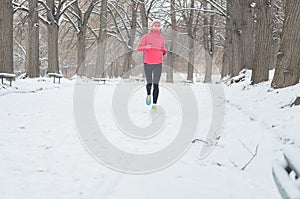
153,45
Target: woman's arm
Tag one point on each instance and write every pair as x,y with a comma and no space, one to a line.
142,44
163,48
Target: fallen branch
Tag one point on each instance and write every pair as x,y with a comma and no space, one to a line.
199,140
251,159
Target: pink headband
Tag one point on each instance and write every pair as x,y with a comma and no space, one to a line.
156,22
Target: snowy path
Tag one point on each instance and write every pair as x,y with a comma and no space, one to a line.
42,156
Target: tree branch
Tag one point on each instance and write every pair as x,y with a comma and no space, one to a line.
52,19
89,11
251,159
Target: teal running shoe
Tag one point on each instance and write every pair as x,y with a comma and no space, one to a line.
148,100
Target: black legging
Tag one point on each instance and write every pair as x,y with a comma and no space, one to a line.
154,69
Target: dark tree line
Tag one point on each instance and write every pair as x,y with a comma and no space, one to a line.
250,41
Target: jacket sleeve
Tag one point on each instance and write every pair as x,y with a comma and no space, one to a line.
163,47
142,44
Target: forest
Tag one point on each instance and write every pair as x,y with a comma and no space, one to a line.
203,36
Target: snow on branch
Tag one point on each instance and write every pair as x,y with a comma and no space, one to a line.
63,10
19,6
76,13
72,22
217,6
197,9
92,31
89,11
121,17
52,19
122,40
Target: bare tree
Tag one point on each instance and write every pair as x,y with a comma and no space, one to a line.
235,63
287,72
248,39
277,25
227,52
20,36
32,60
208,39
52,26
191,21
144,16
54,10
6,36
232,58
131,38
263,42
127,27
172,54
212,38
101,41
82,18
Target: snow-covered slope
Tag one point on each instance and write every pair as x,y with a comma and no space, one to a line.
42,156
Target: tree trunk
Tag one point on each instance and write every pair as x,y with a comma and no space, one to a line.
6,36
208,57
263,42
52,30
81,45
236,62
227,55
212,39
248,39
53,64
287,72
32,55
128,56
172,52
191,59
101,41
190,73
144,16
81,29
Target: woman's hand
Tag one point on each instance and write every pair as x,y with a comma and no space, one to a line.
165,55
148,46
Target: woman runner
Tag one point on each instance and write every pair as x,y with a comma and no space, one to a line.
153,46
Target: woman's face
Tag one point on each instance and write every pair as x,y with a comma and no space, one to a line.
156,26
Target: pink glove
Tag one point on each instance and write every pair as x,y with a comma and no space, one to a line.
165,55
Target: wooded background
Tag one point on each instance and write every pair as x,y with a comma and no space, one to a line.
217,37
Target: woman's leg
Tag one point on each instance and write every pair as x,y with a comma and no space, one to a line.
156,77
148,68
155,93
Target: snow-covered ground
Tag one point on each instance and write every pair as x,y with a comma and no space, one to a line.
42,156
